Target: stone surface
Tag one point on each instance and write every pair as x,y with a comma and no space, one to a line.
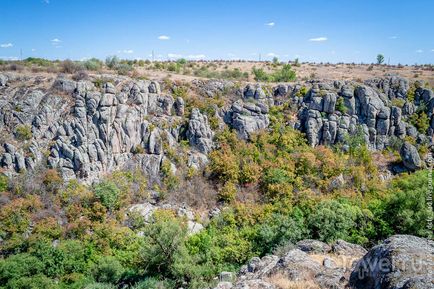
410,156
402,261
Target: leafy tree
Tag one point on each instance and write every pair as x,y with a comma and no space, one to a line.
281,229
108,270
18,266
260,74
39,281
285,74
112,62
332,220
380,58
164,244
405,209
108,194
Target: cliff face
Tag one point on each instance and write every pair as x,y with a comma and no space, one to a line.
86,129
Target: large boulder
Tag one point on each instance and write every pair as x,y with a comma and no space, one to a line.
410,157
400,262
247,117
199,133
313,246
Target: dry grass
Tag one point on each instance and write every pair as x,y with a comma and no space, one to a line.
282,282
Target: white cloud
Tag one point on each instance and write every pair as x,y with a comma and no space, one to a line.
33,49
56,40
419,51
196,56
270,24
271,54
163,37
46,1
432,50
128,51
393,37
13,58
6,45
174,55
318,39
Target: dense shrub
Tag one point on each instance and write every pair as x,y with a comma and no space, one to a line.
332,220
93,64
23,132
108,194
112,62
69,66
108,270
3,183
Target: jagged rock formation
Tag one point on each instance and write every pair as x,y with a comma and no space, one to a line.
86,129
296,266
401,262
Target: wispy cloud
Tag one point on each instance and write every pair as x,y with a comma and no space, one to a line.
174,55
270,24
196,56
56,40
432,50
419,51
163,37
272,54
393,37
318,39
6,45
127,51
33,49
46,1
9,58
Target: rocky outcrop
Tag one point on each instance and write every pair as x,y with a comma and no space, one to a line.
199,133
331,112
92,130
410,156
86,129
247,117
400,262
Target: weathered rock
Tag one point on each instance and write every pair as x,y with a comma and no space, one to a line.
313,246
402,261
199,133
410,156
341,247
247,118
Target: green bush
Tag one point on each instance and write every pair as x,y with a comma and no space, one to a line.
340,105
332,220
153,283
112,62
260,74
18,266
108,194
285,74
93,64
281,229
108,270
3,183
23,132
34,282
405,208
124,69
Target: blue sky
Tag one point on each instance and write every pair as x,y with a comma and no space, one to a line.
312,30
